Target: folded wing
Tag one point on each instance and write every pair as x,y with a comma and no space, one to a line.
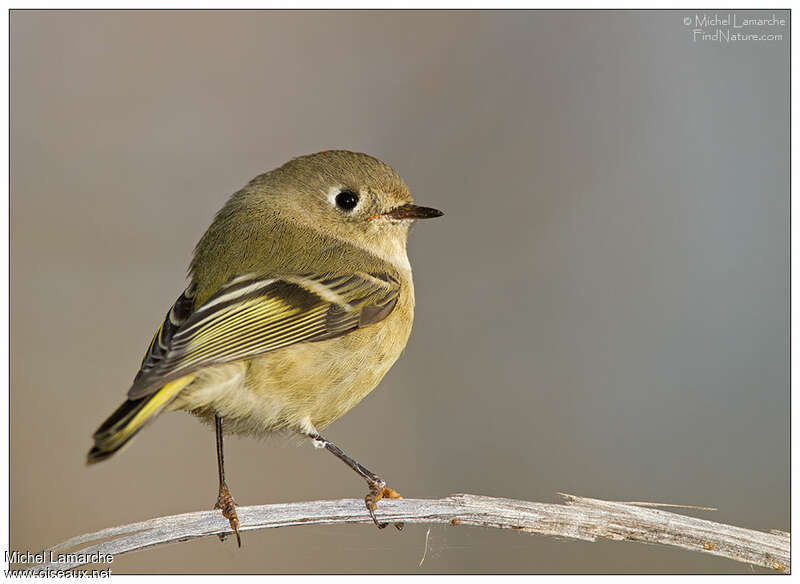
252,315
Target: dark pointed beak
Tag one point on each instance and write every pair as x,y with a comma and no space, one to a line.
413,212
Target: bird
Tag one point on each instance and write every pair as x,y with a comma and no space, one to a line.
300,298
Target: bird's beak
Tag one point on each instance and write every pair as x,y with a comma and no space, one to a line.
412,212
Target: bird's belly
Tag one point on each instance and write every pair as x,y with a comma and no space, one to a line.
308,383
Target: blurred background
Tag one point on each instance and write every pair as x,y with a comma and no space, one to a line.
603,310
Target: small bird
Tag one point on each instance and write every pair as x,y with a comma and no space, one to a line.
300,299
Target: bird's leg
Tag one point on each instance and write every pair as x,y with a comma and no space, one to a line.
225,500
377,486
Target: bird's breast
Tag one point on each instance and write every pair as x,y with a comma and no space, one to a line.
314,382
322,380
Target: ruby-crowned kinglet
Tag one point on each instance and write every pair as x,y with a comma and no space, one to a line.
300,301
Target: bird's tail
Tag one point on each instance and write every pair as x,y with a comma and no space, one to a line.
131,417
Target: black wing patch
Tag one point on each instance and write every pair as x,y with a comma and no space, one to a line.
175,317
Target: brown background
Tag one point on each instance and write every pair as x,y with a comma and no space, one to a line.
603,310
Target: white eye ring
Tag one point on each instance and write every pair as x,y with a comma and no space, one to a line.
345,199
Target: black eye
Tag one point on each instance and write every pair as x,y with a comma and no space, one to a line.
347,200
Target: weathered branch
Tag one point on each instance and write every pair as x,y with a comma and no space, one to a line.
578,518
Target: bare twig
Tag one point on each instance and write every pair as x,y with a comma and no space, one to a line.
665,505
578,518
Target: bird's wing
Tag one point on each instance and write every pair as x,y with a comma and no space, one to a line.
252,315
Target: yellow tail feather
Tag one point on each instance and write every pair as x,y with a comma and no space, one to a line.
131,417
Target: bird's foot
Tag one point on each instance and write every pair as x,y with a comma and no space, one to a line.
377,491
226,503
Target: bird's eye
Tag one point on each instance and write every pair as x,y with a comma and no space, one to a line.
347,200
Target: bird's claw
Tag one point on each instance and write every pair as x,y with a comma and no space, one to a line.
227,505
377,491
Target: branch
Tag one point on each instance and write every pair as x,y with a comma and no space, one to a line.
578,518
